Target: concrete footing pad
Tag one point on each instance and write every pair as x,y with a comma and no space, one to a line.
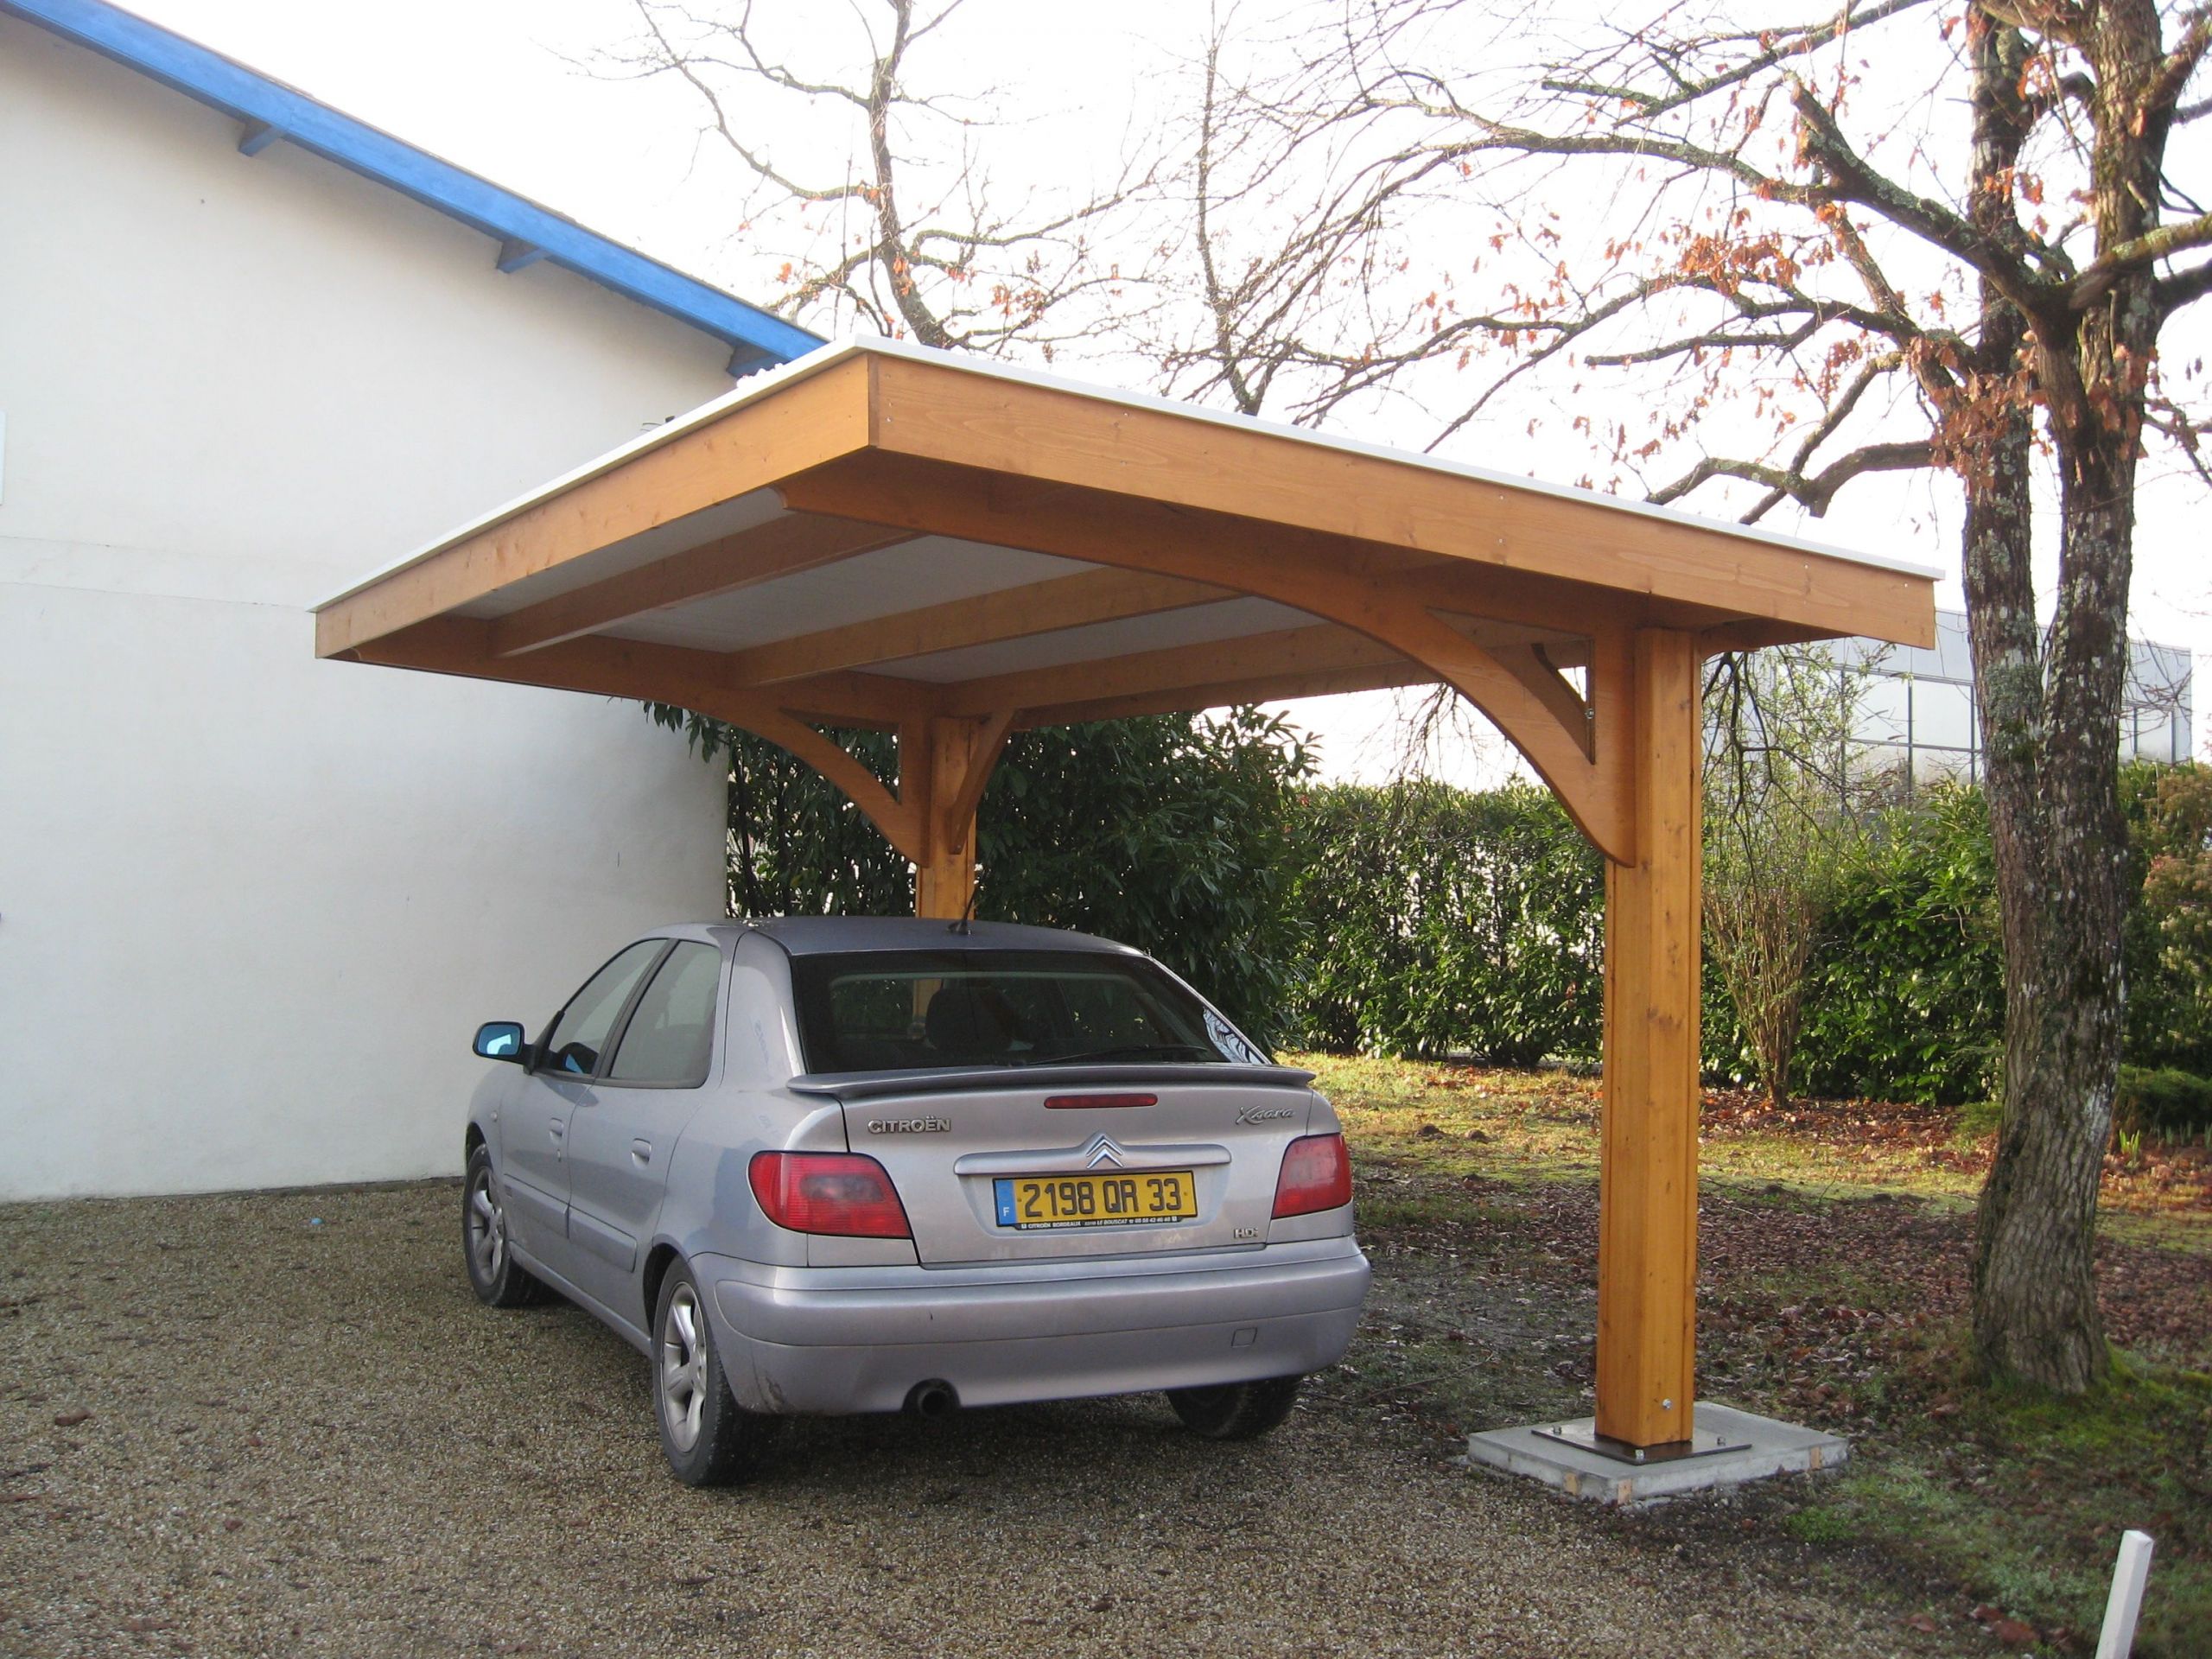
1729,1448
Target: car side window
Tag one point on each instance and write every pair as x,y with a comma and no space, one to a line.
572,1046
671,1037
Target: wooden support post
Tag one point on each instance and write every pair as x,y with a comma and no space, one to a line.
1646,1199
943,766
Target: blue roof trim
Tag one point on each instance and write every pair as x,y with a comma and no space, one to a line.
271,110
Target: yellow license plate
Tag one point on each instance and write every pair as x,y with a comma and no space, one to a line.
1152,1195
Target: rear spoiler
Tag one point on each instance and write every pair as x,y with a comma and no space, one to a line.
1026,1079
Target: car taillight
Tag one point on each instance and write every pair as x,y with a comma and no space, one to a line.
1316,1175
1094,1102
836,1192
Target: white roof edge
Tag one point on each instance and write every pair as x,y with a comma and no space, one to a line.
814,362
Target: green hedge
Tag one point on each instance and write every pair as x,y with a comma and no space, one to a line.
1439,921
2170,931
1906,990
1169,833
1421,920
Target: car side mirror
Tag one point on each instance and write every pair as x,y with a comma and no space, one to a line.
500,1039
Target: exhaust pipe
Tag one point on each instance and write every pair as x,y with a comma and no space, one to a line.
932,1400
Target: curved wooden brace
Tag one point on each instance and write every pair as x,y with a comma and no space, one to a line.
1594,794
906,822
899,822
1533,666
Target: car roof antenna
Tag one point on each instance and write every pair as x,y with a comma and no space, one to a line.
966,915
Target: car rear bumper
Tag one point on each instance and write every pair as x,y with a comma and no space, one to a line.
846,1339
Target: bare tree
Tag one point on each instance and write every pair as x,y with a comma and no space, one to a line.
1287,209
910,236
1808,251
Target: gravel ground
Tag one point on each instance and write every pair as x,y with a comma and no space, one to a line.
280,1424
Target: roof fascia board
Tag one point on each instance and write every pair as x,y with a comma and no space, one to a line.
1021,374
269,109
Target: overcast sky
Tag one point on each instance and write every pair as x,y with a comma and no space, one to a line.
495,86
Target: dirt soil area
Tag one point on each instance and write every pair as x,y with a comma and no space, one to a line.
280,1424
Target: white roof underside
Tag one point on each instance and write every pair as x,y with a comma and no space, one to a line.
891,581
928,571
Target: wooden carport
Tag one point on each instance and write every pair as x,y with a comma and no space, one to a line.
878,535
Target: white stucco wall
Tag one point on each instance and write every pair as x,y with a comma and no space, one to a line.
252,904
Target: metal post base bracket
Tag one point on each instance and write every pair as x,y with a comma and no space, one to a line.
1583,1435
1729,1446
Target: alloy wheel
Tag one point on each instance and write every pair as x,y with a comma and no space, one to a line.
487,1228
683,1367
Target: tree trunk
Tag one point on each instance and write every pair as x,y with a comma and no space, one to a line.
2062,855
2060,851
2051,711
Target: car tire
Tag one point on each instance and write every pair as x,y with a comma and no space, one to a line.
1236,1411
497,1279
707,1437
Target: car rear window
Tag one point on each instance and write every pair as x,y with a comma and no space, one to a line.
915,1010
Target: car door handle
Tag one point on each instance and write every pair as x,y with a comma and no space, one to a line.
641,1152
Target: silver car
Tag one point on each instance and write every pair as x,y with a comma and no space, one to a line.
830,1165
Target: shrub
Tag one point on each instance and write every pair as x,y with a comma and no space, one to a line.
1422,920
2167,1103
1170,832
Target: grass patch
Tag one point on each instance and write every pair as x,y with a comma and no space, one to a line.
1834,1258
1542,1125
2021,1498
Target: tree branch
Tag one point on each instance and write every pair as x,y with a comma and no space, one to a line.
2181,62
2152,245
1815,492
1854,179
2171,419
1789,43
2183,288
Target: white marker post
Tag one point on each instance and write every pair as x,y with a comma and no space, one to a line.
2126,1600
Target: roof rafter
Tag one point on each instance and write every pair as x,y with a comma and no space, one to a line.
650,673
1077,601
782,547
1174,669
1196,698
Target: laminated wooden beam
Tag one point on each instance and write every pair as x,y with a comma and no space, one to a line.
1228,693
1349,585
1647,1180
938,412
1318,648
